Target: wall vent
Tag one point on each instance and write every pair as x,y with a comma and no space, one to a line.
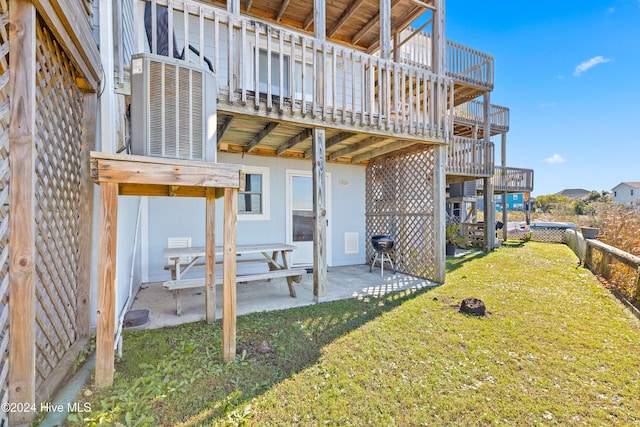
351,243
173,109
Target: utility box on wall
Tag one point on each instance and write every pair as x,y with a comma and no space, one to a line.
173,109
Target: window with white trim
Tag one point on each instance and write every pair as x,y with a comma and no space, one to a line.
253,202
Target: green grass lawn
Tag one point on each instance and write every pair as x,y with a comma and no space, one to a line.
556,349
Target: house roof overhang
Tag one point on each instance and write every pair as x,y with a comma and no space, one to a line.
355,23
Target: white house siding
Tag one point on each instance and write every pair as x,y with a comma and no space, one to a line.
626,194
184,217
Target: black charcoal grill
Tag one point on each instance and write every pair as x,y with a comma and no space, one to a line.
382,244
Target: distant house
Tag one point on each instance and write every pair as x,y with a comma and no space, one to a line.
573,193
627,193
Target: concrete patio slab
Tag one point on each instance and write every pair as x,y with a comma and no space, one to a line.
343,282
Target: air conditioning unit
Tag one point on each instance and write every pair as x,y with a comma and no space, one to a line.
173,109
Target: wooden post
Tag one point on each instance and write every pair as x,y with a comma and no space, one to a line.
438,38
385,29
439,213
503,161
105,315
636,298
319,162
22,305
210,260
320,216
229,275
83,299
588,255
489,210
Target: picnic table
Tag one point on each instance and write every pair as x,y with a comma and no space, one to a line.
269,251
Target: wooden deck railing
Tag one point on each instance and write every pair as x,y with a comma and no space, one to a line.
464,64
469,66
269,68
604,267
511,180
470,157
472,112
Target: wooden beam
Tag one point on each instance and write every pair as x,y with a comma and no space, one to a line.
389,148
489,209
283,8
369,25
229,275
70,25
210,259
351,10
438,40
385,31
22,235
320,216
308,21
398,26
412,35
105,315
302,136
336,139
261,135
224,128
83,298
130,169
423,4
249,3
439,212
353,148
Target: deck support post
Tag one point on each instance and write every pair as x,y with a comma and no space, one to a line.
503,162
229,274
22,203
106,310
439,213
320,216
210,258
318,158
489,210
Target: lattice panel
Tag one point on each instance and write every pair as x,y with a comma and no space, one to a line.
58,142
549,235
4,208
400,202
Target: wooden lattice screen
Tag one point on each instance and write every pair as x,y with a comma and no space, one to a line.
58,171
4,208
400,202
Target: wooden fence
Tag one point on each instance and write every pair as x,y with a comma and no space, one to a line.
4,209
46,132
618,267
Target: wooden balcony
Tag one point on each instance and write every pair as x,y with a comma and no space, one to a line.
511,180
469,158
276,84
468,119
471,70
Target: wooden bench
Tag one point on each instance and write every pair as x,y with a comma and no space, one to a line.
172,267
292,275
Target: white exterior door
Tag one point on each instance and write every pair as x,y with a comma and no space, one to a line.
300,221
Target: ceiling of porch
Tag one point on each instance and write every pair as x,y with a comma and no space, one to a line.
261,136
355,23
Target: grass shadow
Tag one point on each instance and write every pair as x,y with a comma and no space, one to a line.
273,346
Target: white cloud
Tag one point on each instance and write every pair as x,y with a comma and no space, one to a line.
586,65
556,158
547,104
611,10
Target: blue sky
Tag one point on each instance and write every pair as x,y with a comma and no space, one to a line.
569,71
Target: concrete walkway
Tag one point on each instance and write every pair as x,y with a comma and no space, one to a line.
343,282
